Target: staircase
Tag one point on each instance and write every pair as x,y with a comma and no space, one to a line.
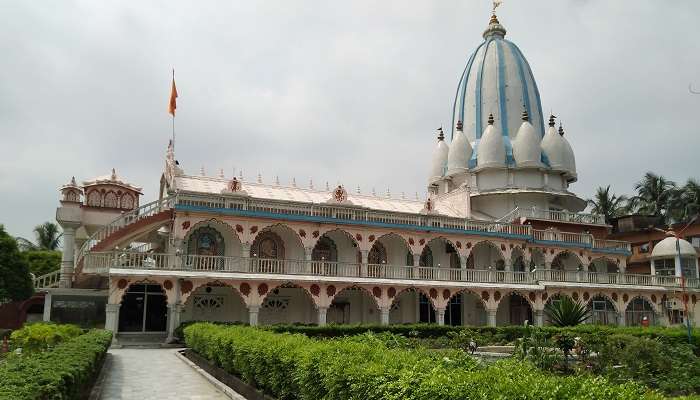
126,226
49,280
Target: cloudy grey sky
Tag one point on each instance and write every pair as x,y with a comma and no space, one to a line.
348,92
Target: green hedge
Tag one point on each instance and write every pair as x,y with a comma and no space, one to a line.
501,334
65,372
293,366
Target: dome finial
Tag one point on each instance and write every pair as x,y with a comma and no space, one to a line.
551,120
441,134
495,27
561,129
490,119
460,126
525,116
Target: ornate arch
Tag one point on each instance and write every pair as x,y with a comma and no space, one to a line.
563,253
221,226
415,289
288,284
455,257
356,287
145,281
607,259
603,295
215,283
403,239
471,292
654,307
257,236
471,263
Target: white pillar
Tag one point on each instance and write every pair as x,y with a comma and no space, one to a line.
539,318
47,307
621,319
253,315
308,252
322,313
491,317
365,261
440,316
68,256
384,315
112,319
174,312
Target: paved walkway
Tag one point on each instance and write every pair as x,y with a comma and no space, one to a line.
150,374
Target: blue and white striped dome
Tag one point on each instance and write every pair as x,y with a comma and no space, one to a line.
497,80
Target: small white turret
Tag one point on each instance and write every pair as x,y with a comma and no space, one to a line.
553,146
460,152
439,162
526,145
491,151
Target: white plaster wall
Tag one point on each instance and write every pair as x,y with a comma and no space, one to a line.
407,310
293,250
347,252
299,309
359,308
396,249
473,312
485,256
528,178
233,308
492,179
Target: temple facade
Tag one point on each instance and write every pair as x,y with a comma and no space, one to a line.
498,236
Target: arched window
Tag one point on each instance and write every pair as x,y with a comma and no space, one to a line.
426,257
94,199
325,250
111,200
267,245
127,201
206,241
377,255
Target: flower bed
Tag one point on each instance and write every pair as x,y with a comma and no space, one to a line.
290,366
66,371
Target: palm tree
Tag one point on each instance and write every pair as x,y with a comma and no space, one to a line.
690,197
48,237
606,204
654,195
566,312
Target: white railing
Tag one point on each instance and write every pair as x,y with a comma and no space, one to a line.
582,239
102,262
123,221
49,280
554,215
612,245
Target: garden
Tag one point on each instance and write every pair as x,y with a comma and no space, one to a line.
51,361
441,362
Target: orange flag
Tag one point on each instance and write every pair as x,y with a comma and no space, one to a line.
173,96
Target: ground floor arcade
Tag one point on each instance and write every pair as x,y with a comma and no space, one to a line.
160,304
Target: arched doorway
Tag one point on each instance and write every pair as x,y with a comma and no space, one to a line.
637,310
465,309
353,305
143,309
513,309
603,311
412,306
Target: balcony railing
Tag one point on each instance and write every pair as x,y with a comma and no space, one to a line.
363,215
554,215
102,262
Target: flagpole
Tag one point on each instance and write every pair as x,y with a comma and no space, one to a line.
173,116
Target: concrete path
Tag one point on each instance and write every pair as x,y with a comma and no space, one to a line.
150,374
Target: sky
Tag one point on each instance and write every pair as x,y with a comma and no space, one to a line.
342,92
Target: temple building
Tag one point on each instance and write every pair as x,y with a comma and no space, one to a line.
499,235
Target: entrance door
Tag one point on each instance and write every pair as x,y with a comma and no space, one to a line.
144,309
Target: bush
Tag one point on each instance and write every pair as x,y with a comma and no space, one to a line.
65,372
293,366
42,336
41,262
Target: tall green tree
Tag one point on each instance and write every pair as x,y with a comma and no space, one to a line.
15,280
48,237
607,204
654,196
690,198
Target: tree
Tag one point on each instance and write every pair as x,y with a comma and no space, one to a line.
654,195
606,204
48,237
566,312
15,280
690,199
42,262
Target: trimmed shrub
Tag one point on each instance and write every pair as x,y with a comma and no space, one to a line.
42,336
293,366
65,372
